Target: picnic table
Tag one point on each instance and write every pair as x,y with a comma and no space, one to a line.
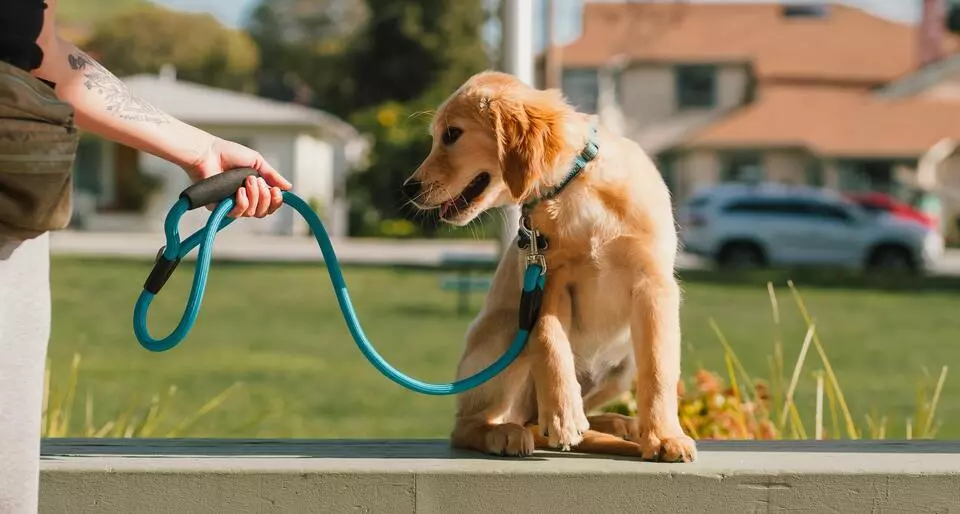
467,275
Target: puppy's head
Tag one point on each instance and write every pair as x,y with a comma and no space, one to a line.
494,140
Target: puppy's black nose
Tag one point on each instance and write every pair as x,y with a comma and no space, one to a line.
411,188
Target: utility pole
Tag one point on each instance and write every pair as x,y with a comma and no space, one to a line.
517,50
552,66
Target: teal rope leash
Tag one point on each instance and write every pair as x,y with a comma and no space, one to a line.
221,188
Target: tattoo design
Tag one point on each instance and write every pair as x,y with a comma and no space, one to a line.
118,97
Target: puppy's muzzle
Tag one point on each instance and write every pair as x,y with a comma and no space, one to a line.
412,188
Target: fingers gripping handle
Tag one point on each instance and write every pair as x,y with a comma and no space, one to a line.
216,188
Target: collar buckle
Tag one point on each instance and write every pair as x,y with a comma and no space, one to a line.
590,151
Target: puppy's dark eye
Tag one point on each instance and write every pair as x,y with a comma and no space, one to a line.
451,135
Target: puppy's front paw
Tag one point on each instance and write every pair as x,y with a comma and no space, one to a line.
509,439
563,425
674,446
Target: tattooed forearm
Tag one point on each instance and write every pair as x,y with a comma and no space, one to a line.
119,100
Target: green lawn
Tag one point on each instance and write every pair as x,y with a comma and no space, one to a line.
277,329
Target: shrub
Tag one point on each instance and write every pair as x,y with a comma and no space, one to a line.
398,228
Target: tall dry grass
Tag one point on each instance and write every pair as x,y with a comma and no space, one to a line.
136,421
741,405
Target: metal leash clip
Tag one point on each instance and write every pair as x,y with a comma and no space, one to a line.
531,240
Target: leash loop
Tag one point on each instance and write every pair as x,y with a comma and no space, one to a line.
206,192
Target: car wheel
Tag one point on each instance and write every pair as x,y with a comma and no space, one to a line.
741,256
892,259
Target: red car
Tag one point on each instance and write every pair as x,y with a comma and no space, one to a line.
880,202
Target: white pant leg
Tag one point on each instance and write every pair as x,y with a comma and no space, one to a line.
24,333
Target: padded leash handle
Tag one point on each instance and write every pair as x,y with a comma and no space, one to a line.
216,188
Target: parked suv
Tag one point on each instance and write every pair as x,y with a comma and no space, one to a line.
742,225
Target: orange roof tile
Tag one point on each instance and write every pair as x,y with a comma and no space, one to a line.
847,45
834,122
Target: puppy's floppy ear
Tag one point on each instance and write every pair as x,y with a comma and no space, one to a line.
527,127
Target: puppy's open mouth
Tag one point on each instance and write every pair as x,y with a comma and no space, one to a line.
474,189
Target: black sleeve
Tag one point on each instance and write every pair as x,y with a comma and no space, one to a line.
20,24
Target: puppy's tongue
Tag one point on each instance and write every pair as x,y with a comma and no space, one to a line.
445,208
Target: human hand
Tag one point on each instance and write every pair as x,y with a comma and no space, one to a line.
258,197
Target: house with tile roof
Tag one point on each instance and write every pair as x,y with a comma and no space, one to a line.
821,94
118,188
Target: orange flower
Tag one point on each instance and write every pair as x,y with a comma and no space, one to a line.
763,392
708,382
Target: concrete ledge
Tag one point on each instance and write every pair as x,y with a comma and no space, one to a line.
240,476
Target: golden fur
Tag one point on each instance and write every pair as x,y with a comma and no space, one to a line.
610,314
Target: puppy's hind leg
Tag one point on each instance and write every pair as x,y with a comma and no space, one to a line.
618,425
508,439
594,442
618,381
490,417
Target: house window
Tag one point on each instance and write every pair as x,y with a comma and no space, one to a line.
741,167
804,11
581,89
868,176
696,86
814,172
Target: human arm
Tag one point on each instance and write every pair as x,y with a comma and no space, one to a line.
105,106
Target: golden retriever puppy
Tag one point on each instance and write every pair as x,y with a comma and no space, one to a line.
609,316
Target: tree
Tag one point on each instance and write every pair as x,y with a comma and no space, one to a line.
91,11
407,58
376,63
144,39
411,47
302,44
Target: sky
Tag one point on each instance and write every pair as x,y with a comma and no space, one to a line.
233,12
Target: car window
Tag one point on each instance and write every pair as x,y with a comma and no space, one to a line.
792,207
830,212
867,204
765,206
872,208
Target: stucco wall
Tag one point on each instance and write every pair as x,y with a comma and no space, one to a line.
702,168
313,175
695,170
649,94
786,167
